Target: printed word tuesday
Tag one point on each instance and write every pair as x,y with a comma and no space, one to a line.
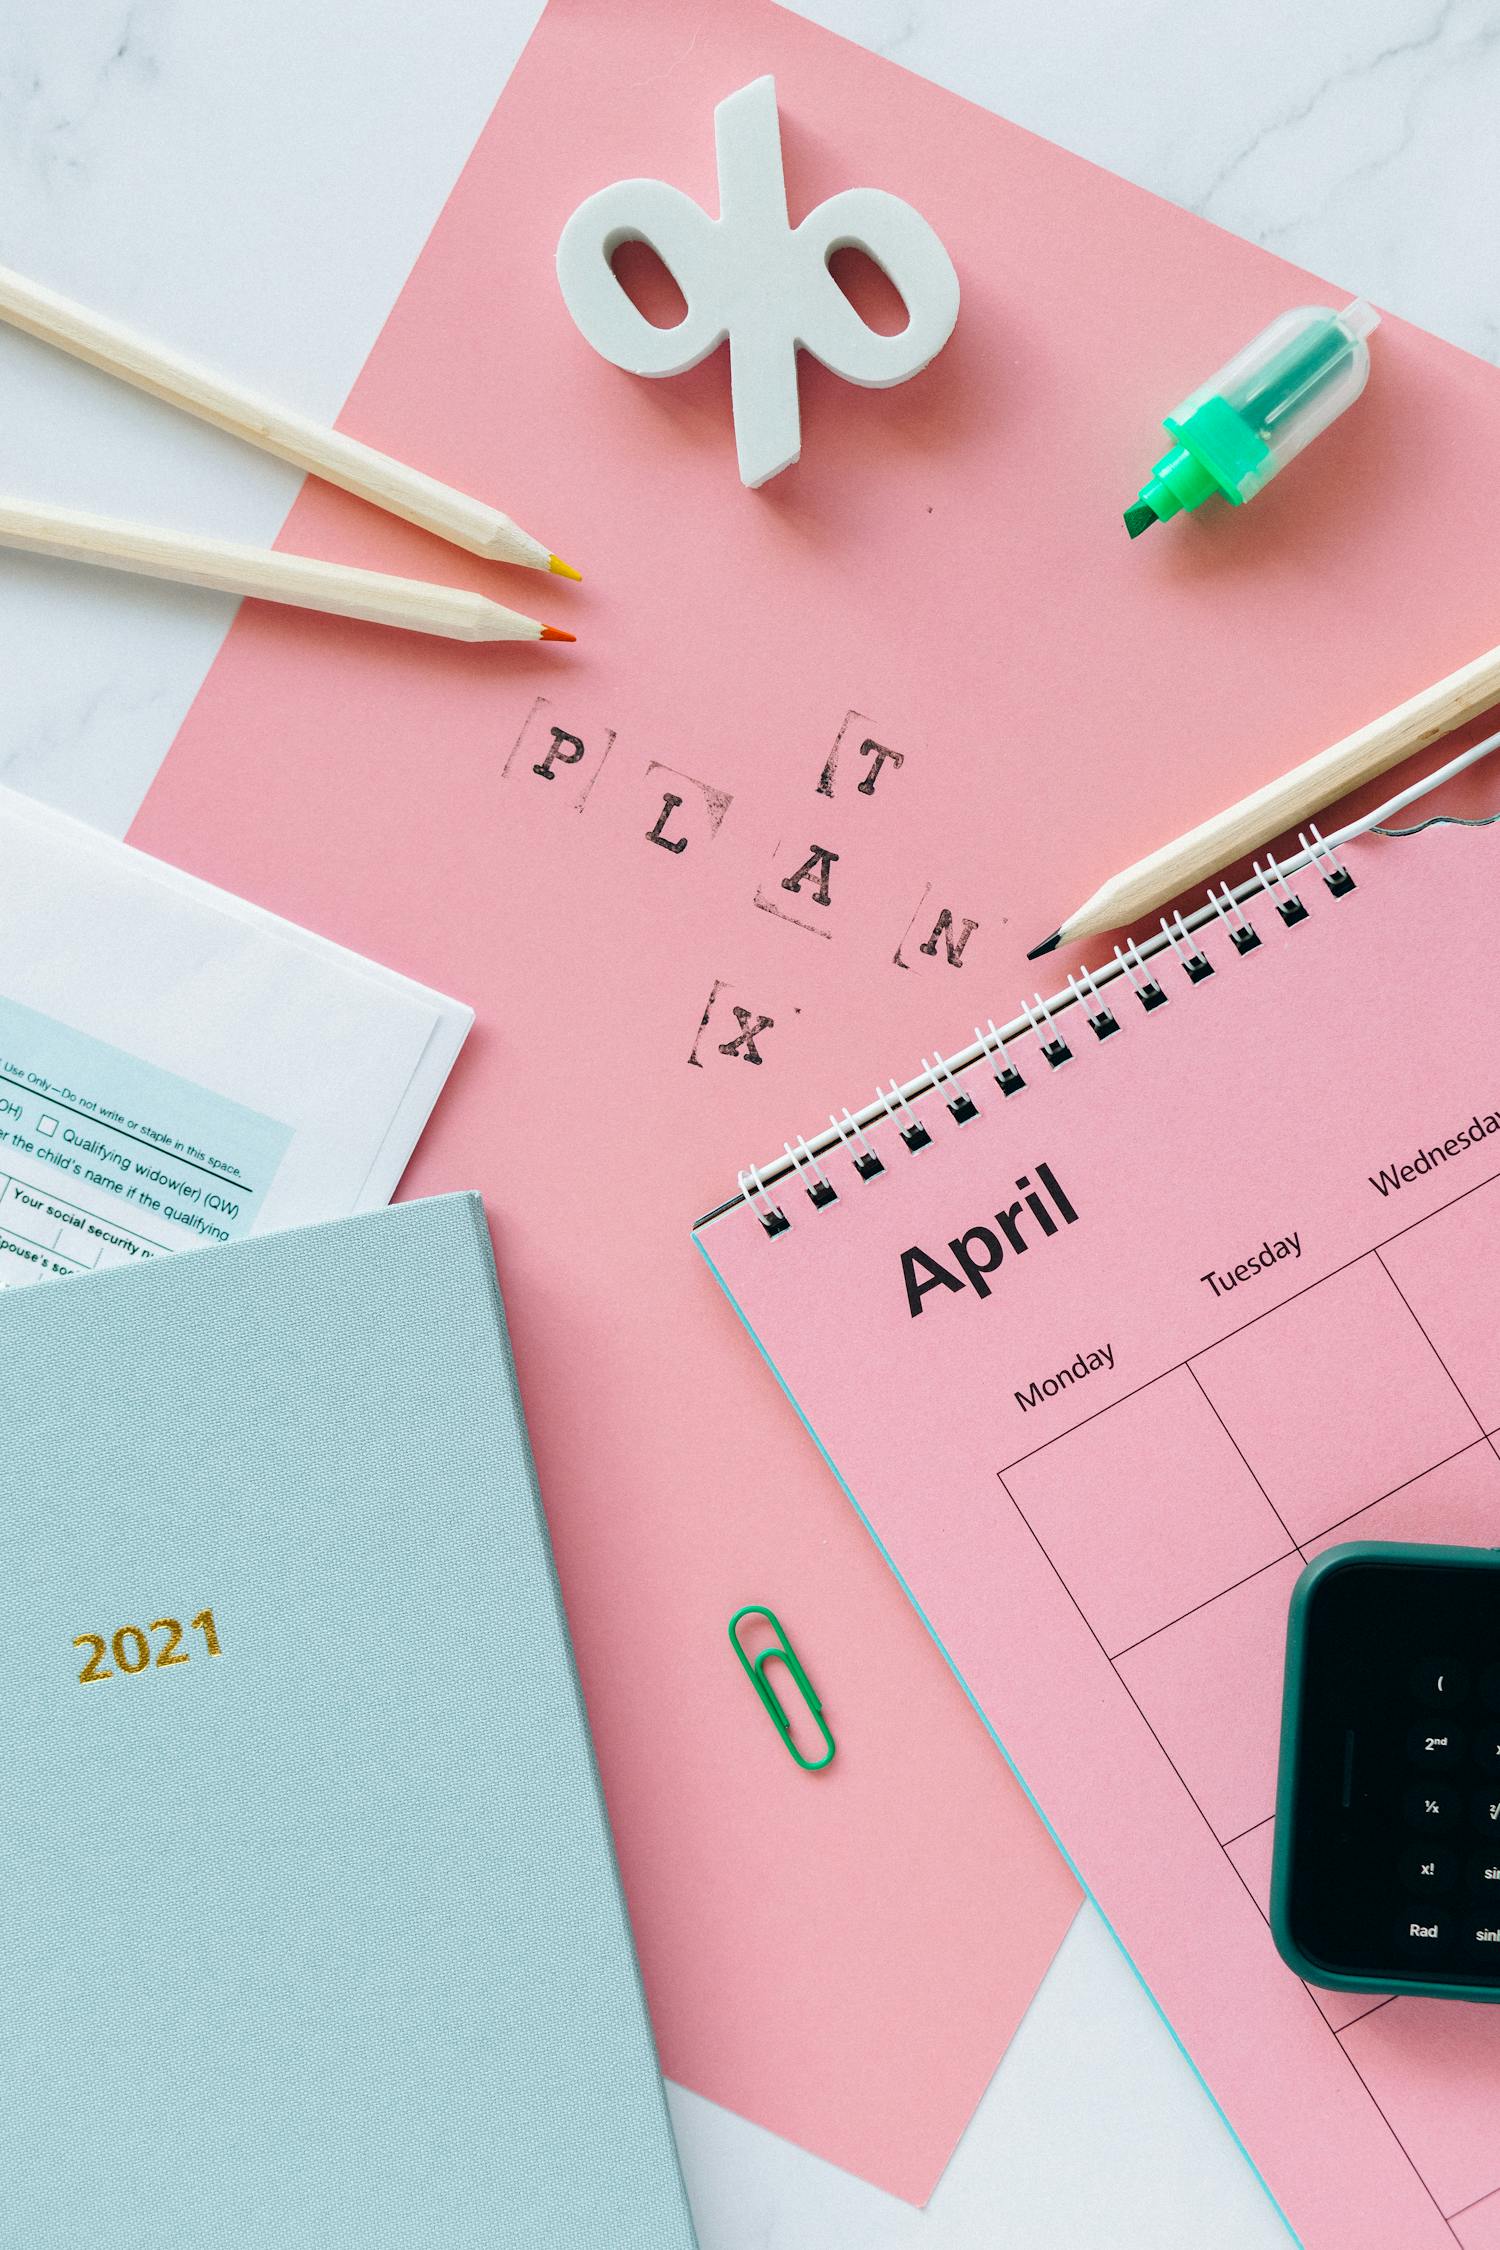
1270,1253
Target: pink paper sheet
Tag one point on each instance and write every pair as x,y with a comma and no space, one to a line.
943,577
1107,1560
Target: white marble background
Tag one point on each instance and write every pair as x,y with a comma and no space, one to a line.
253,179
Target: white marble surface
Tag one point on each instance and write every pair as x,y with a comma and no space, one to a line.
254,178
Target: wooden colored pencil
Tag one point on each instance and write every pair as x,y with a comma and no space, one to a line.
1282,804
309,445
267,574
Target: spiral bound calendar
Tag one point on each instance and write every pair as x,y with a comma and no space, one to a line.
1106,1325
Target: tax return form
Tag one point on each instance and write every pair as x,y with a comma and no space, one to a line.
178,1068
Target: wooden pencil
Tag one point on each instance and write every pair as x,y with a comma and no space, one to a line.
266,574
1282,804
309,445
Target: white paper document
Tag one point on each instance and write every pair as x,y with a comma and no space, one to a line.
178,1067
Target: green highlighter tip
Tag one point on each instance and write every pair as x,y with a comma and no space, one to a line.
1138,517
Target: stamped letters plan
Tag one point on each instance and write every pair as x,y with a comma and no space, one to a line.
178,1068
1105,1364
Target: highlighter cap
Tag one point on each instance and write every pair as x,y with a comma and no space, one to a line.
1240,428
1274,397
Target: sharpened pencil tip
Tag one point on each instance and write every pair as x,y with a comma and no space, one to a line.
556,633
1048,945
563,570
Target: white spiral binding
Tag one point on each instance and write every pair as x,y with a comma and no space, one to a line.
1085,994
913,1132
991,1043
1134,968
1190,958
1131,960
753,1191
961,1104
1322,856
1274,883
822,1192
866,1158
1055,1049
1243,934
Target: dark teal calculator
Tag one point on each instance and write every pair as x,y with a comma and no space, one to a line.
1387,1866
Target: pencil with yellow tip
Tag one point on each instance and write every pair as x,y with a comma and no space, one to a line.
1282,804
325,453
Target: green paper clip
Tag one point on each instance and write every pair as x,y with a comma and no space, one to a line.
782,1653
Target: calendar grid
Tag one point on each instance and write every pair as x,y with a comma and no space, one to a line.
1207,1603
1281,1506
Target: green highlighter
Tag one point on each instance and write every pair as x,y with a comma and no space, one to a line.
1235,431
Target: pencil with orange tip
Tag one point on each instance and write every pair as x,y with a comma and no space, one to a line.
266,573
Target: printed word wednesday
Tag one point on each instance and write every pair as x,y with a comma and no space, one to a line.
979,1251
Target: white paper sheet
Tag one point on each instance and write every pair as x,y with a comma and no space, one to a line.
178,1067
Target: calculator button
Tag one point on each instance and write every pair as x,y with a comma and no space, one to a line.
1486,1810
1484,1875
1426,1869
1434,1805
1481,1938
1489,1687
1436,1748
1424,1932
1438,1686
1487,1750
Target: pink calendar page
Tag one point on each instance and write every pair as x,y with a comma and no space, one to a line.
826,758
1247,1305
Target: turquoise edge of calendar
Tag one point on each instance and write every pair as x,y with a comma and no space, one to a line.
889,1561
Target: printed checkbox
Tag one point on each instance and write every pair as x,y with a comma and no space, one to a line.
1146,1510
1210,1687
1336,1398
46,1125
1448,1270
1435,2071
1479,2227
1456,1504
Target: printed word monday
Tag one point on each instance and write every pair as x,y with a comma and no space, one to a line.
980,1251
